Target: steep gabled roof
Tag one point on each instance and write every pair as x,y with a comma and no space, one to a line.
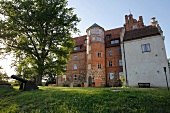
141,33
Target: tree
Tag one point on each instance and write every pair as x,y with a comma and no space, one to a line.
38,33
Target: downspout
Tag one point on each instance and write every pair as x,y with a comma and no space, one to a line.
125,62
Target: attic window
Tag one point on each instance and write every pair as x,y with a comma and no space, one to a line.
77,48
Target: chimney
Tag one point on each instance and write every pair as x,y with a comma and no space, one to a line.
153,21
140,18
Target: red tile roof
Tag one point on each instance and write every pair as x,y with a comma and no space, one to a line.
141,33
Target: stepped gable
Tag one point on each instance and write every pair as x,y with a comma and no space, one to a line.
141,33
114,34
79,41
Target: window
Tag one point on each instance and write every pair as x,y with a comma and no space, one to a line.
115,42
75,77
99,39
75,66
75,57
93,38
99,54
110,53
77,48
134,27
89,47
89,66
119,51
64,77
89,56
146,48
107,37
111,76
120,63
99,66
85,41
110,63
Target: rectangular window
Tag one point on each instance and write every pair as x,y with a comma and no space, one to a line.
110,53
99,39
89,47
120,63
93,38
75,77
89,66
77,48
110,63
89,56
111,76
115,42
99,66
119,51
75,66
146,48
99,54
75,57
107,37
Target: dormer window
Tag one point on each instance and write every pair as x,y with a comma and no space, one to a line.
115,42
134,27
77,48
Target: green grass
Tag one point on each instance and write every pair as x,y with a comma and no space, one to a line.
85,100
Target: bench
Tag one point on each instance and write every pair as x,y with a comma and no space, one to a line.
144,85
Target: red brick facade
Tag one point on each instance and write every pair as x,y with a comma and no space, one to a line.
97,56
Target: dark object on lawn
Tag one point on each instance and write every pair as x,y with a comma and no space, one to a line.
25,85
144,85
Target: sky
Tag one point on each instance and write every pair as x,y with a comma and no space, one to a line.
110,14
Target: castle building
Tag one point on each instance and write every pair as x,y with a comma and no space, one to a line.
134,51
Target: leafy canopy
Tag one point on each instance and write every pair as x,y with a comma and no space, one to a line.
38,34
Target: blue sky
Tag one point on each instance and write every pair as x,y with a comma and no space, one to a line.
110,14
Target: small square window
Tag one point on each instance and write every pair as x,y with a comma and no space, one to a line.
89,56
99,39
93,38
110,63
77,48
89,66
146,48
75,77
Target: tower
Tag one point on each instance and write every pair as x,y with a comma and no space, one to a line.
95,56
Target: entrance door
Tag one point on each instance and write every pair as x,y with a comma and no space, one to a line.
90,81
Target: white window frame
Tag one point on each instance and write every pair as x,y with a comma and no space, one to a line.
89,56
75,57
99,39
120,63
146,48
115,41
77,48
99,65
110,63
111,75
99,54
110,53
89,66
75,66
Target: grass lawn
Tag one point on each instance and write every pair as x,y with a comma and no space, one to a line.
85,100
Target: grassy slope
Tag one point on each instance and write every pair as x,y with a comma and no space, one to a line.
85,100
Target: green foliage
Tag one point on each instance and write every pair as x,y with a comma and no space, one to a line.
86,100
38,33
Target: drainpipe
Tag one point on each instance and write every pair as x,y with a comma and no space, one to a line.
125,63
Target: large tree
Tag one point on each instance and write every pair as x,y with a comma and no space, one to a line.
38,34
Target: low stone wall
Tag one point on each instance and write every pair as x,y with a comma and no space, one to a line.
6,86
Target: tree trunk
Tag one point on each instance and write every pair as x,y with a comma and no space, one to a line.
39,79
